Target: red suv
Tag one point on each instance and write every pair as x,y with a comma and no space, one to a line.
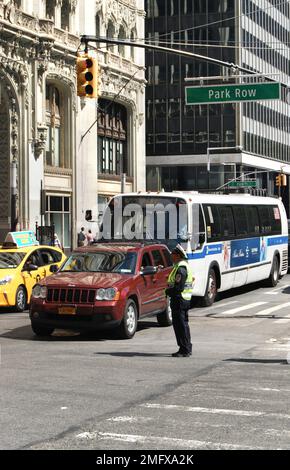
104,286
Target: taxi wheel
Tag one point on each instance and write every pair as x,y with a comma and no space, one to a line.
128,327
21,299
165,318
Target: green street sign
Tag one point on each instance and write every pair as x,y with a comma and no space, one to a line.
243,184
232,93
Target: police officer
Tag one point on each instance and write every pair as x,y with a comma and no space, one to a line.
180,287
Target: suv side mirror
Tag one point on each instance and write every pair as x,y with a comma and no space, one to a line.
148,270
53,268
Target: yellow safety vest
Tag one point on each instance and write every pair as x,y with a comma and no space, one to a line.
188,288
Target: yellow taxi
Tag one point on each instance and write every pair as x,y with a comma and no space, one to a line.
23,263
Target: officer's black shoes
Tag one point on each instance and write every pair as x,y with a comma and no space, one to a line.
180,354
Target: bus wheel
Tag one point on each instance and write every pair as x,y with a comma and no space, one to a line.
211,290
273,279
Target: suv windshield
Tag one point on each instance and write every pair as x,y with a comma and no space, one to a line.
101,262
10,260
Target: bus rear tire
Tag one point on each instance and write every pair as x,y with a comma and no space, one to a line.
273,279
211,289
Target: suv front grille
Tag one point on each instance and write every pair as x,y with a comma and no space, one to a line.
75,296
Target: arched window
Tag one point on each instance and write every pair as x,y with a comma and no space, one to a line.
122,35
58,132
110,34
65,14
112,139
98,26
50,9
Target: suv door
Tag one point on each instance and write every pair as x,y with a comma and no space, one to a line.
163,263
146,285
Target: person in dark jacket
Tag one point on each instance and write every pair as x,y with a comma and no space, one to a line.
180,282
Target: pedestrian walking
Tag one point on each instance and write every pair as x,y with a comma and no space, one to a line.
57,241
180,288
90,237
81,237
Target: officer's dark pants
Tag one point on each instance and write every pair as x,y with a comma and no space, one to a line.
181,326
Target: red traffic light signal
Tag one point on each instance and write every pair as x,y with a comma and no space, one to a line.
87,76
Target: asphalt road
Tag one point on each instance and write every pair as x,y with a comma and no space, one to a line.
96,392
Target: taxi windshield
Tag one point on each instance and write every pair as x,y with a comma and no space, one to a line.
101,262
10,260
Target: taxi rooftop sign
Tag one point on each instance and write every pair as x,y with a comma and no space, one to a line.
232,93
21,239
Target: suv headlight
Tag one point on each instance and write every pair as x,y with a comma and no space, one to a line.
43,292
36,291
39,292
107,294
5,280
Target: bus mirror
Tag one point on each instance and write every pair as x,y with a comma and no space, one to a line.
202,238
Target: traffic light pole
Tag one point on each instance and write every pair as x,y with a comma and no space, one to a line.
124,42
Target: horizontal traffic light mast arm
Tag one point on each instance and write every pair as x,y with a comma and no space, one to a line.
124,42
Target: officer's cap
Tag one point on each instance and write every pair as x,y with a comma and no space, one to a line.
178,250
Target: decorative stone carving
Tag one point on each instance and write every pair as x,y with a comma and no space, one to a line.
40,141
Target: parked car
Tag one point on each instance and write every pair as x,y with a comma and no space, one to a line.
104,286
23,263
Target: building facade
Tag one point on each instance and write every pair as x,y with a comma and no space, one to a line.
252,137
118,139
50,172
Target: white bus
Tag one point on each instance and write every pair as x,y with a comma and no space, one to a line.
231,240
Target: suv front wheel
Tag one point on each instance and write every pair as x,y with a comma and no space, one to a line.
165,318
128,327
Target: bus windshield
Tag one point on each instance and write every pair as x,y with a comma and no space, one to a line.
146,218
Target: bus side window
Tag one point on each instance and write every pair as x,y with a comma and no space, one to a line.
212,221
253,220
227,221
241,222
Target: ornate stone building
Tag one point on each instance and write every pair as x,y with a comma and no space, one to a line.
48,172
121,106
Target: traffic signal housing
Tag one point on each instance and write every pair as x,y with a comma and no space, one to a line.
281,180
87,76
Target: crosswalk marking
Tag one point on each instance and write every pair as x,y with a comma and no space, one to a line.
221,411
270,310
275,291
198,409
183,443
283,320
243,308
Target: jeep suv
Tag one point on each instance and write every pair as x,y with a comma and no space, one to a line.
104,286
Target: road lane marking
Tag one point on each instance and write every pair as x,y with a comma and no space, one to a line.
221,411
282,320
197,409
243,308
225,304
270,310
275,291
155,440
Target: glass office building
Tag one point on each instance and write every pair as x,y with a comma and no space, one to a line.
251,136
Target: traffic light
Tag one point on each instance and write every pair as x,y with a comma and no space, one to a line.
87,76
283,179
88,215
